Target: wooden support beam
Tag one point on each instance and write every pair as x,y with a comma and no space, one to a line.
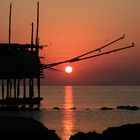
38,86
2,89
32,36
7,88
10,18
37,29
24,88
18,88
15,91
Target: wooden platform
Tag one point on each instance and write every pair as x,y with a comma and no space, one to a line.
20,103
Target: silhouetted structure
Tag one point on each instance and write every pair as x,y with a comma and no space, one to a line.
20,65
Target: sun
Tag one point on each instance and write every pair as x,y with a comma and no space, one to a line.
68,69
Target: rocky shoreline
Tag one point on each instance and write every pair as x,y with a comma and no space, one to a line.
25,128
17,128
124,132
121,107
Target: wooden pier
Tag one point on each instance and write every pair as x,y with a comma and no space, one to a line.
20,68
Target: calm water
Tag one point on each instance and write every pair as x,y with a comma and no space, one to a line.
86,100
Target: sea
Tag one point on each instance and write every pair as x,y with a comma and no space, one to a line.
70,109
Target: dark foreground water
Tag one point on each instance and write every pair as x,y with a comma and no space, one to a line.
79,108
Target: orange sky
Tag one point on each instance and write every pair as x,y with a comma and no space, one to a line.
72,27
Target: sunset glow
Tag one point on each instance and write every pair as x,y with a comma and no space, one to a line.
71,28
73,65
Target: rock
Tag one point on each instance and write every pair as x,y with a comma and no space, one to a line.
128,107
105,108
78,136
73,108
24,128
124,132
87,108
86,136
56,108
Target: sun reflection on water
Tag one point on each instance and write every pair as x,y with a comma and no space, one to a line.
68,117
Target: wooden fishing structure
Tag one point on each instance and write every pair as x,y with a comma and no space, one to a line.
21,68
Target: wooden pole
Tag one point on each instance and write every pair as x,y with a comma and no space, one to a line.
37,29
15,88
31,87
2,89
38,86
10,91
24,88
37,46
7,88
10,15
18,88
32,36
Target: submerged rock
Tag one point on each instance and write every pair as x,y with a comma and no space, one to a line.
128,107
73,108
87,108
56,108
106,108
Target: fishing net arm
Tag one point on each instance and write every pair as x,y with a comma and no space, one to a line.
81,57
100,54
